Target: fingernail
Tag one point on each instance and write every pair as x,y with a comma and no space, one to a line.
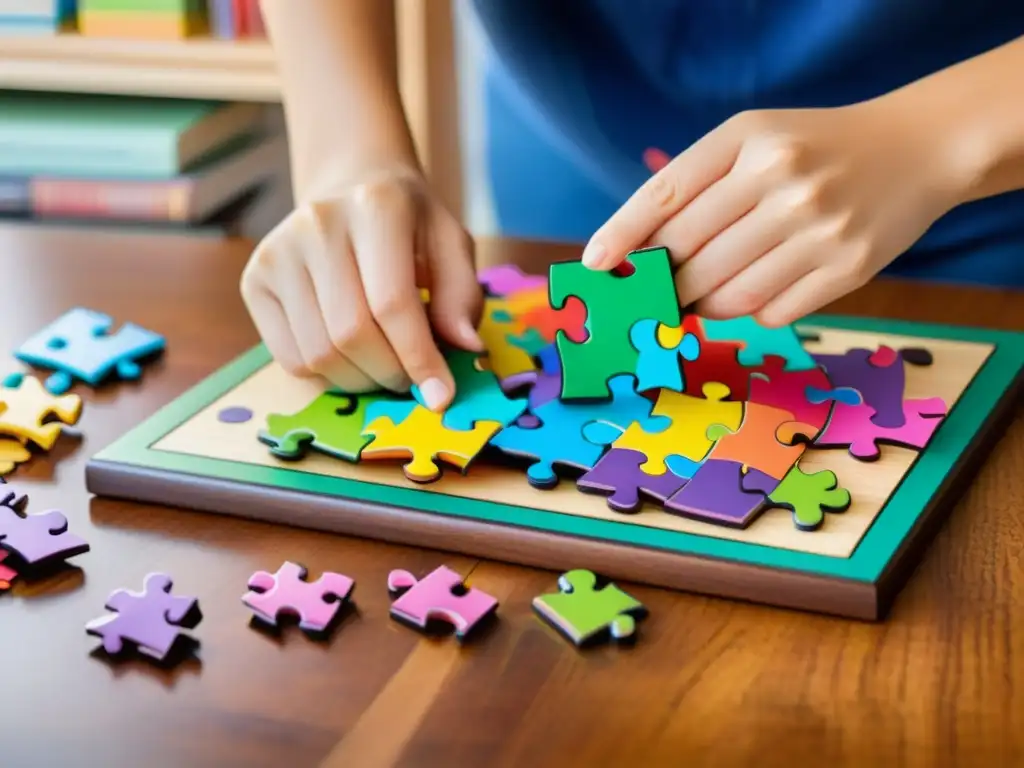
434,393
594,254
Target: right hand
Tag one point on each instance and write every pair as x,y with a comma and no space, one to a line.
334,289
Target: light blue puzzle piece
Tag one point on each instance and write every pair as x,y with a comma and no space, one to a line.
478,395
682,466
396,410
549,360
77,346
845,395
760,341
658,367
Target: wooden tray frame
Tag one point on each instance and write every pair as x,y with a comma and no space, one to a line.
861,586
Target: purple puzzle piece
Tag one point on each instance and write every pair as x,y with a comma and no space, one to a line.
879,387
152,619
715,494
39,538
618,473
544,387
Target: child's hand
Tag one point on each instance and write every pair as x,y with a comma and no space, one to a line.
775,214
334,289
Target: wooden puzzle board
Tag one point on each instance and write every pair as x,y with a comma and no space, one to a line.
853,565
271,390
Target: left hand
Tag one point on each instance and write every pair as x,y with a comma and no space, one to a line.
777,213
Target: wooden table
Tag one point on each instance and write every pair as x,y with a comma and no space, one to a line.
711,683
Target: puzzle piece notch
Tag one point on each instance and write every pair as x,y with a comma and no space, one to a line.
152,621
441,595
807,496
316,604
844,395
37,539
79,345
548,321
30,413
586,614
423,439
853,427
618,476
613,304
660,350
478,394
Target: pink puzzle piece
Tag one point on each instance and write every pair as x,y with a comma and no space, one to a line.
787,390
434,597
506,279
316,603
7,575
851,426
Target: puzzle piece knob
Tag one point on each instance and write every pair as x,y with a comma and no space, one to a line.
623,627
399,580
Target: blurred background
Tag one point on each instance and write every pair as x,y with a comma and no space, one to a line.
165,114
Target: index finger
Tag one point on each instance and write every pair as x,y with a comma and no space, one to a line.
661,197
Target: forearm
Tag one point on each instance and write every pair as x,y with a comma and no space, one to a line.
338,68
975,111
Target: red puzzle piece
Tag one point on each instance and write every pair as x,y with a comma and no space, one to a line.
717,362
547,320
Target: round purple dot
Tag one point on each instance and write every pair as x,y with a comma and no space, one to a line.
235,415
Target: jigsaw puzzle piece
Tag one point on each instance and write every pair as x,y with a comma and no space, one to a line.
839,394
772,385
853,426
717,363
508,279
79,345
38,539
880,387
585,614
530,341
440,595
316,603
151,620
660,349
422,438
618,475
807,496
7,574
715,494
12,453
686,433
478,394
496,326
548,321
613,303
759,341
30,413
764,440
543,387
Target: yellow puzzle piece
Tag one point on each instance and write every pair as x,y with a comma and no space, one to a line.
12,453
506,359
421,435
687,434
25,409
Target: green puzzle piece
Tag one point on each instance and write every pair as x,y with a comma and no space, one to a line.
478,394
332,424
583,613
614,304
759,341
809,496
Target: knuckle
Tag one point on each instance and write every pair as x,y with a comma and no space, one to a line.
378,194
321,358
857,261
664,191
350,332
388,307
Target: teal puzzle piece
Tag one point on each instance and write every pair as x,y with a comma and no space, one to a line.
759,341
478,395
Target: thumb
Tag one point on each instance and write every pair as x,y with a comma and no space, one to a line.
456,297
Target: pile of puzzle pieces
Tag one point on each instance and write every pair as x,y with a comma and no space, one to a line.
602,377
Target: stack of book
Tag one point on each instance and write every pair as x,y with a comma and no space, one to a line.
145,19
117,160
236,19
36,17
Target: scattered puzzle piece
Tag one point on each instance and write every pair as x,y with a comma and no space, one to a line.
585,614
27,411
660,350
507,279
478,394
881,388
421,437
852,425
286,592
151,620
38,539
440,595
764,440
79,345
613,303
808,496
715,494
12,453
7,574
332,424
773,386
618,475
759,341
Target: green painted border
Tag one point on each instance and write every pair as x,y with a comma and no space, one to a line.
867,562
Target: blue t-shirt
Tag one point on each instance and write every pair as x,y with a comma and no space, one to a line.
579,93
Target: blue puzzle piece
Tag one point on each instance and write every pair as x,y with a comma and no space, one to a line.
396,410
845,395
478,395
576,433
77,345
658,367
682,466
549,360
759,341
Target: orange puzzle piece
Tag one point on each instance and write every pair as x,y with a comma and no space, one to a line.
762,440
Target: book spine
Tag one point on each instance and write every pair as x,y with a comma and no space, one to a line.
254,19
222,19
238,8
15,196
149,201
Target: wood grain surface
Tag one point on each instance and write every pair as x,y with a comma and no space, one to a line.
710,682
